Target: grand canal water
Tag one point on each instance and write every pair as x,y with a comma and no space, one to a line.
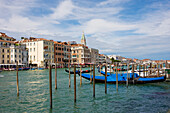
34,95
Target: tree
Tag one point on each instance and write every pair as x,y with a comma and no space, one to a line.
112,60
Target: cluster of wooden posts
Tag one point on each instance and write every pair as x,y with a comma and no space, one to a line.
115,70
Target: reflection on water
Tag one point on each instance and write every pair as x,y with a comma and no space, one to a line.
34,95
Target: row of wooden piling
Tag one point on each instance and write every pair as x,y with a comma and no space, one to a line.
50,78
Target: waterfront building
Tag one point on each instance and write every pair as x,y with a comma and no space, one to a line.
16,53
41,51
116,57
67,53
12,51
146,61
3,36
80,54
137,61
104,59
94,54
124,60
130,60
72,42
62,53
58,53
5,51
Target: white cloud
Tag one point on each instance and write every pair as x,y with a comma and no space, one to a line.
103,26
100,22
155,24
112,2
19,24
64,9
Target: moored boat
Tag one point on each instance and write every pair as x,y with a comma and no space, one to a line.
122,78
78,71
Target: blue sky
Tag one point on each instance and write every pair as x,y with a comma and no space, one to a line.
130,28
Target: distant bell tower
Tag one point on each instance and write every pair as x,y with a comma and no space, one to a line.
83,39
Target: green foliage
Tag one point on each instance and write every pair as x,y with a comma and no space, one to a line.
113,60
17,44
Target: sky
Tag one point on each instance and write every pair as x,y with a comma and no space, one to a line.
129,28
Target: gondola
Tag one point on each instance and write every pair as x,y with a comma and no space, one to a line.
122,78
78,71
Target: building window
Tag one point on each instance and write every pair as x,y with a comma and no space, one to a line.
2,56
11,56
15,56
30,49
19,61
34,43
19,56
7,56
59,53
30,44
2,61
15,50
8,51
19,51
55,48
2,50
59,59
8,61
34,57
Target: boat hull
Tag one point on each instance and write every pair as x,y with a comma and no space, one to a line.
122,79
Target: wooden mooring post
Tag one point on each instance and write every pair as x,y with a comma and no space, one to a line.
150,72
143,70
100,69
157,69
50,85
106,79
69,76
166,64
139,69
133,74
90,74
17,80
80,75
110,69
146,73
74,83
127,75
116,77
55,75
93,80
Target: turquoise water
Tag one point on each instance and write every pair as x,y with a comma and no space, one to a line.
34,95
